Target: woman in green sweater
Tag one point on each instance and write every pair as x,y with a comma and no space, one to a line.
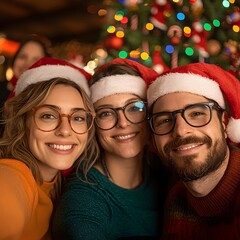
117,198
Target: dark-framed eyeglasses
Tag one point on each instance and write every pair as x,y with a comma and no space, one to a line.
107,117
48,119
196,115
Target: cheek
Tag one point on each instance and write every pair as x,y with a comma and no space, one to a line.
160,142
82,140
103,138
34,139
34,135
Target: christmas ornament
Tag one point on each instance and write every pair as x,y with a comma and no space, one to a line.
160,9
113,42
158,64
132,4
175,34
197,8
213,47
232,48
234,18
199,36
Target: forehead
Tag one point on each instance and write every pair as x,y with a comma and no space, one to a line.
174,101
71,96
116,99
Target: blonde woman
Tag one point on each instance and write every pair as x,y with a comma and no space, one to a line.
49,128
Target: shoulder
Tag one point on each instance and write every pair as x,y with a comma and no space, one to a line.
18,193
15,174
80,188
12,166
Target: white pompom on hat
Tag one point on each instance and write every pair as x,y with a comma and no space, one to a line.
123,83
47,68
203,79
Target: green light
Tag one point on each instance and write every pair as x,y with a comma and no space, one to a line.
189,51
207,26
149,60
216,23
123,54
120,12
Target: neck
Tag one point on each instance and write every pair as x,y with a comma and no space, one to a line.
203,186
124,172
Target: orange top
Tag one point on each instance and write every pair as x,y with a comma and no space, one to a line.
25,206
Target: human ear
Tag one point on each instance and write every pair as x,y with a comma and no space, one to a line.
224,121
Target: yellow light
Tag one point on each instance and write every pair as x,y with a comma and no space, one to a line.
235,28
187,30
101,53
111,29
144,55
149,26
9,74
134,54
102,12
92,64
120,34
118,17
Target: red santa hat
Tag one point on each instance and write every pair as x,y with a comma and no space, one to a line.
204,79
123,83
48,68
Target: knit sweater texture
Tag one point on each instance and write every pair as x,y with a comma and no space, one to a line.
215,216
25,206
101,210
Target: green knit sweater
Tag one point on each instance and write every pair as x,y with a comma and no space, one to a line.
105,211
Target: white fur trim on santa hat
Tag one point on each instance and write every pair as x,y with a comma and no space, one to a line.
185,82
122,83
47,72
233,130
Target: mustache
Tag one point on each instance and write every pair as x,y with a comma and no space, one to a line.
177,142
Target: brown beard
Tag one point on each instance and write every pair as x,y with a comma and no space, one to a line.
191,171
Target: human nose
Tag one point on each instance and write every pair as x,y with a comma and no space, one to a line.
64,127
181,127
122,120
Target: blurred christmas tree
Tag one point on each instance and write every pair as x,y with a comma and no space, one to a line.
164,34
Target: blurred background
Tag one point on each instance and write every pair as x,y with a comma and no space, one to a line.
158,33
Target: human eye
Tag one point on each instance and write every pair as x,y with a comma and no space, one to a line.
79,117
162,120
105,113
45,114
199,111
22,56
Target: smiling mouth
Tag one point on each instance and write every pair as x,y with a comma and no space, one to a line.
61,147
125,137
188,147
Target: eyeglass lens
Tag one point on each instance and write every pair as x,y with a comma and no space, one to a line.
48,119
196,115
107,118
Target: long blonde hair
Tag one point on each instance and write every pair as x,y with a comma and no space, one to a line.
14,142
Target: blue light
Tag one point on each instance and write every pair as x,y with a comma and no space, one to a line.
169,49
180,16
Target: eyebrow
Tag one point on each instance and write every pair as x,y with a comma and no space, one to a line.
55,107
128,101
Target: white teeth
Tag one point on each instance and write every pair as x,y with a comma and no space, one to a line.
125,136
186,148
61,147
